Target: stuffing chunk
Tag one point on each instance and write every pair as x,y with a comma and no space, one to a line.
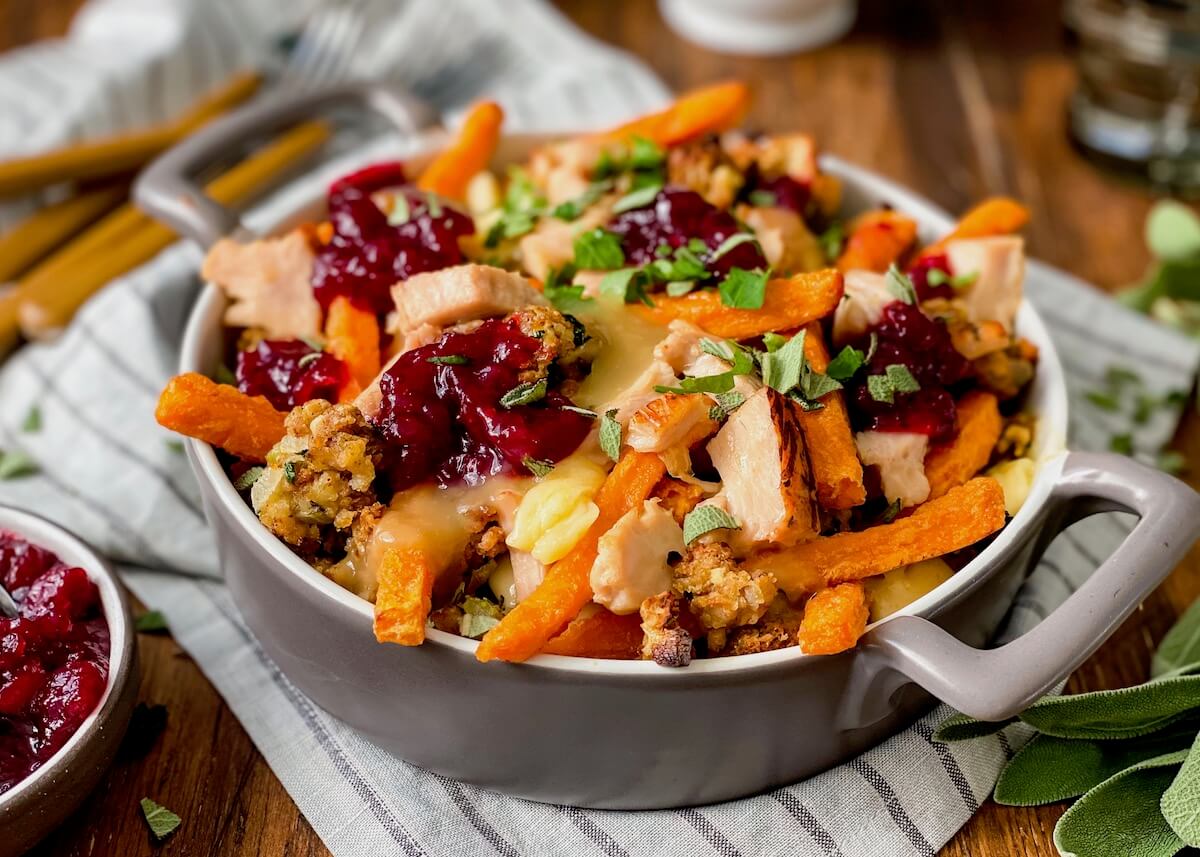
319,478
563,339
779,628
664,640
704,167
720,592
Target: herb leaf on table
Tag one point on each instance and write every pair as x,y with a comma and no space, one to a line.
1180,649
1180,803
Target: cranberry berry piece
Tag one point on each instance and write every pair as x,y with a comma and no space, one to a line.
63,591
18,688
920,273
784,192
369,179
21,562
70,695
673,218
289,372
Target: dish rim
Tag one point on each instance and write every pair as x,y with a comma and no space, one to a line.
204,322
74,551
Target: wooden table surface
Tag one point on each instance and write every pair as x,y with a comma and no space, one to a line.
957,106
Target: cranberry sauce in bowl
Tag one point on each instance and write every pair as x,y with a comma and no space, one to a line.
54,656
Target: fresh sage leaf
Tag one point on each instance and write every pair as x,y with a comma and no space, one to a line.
705,519
639,198
960,727
33,420
900,286
1181,647
1124,713
782,368
537,467
844,366
598,250
524,394
1050,769
161,820
14,465
1121,816
721,383
610,434
744,289
243,482
1180,803
1173,232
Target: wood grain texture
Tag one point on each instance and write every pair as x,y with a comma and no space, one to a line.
956,106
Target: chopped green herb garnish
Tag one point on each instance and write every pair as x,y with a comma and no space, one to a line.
1122,443
248,478
289,471
448,360
846,364
1171,461
744,289
896,379
150,622
573,208
610,434
598,250
681,288
645,154
705,519
781,369
662,251
14,465
1102,399
627,285
536,466
740,360
937,277
831,241
639,198
890,513
900,285
524,394
433,205
33,420
583,412
308,359
774,341
401,213
176,446
474,625
721,383
814,385
224,375
1119,376
725,404
558,289
161,820
734,240
762,198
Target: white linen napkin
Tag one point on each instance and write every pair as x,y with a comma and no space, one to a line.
109,473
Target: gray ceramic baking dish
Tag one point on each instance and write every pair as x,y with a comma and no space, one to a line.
44,799
629,734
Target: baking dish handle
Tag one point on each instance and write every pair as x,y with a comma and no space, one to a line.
995,684
167,192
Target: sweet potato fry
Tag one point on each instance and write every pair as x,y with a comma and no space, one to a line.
831,450
998,215
953,463
788,304
599,633
449,173
961,517
834,619
246,426
567,588
352,336
701,111
404,597
876,240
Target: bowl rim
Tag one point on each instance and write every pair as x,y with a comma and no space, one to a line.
204,323
117,614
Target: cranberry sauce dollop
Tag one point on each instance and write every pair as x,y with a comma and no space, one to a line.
289,372
919,274
53,656
674,217
787,193
368,254
908,336
445,421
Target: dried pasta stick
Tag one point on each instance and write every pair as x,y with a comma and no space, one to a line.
834,619
404,597
449,173
599,633
352,336
953,463
709,109
246,426
831,451
877,240
959,518
788,304
567,586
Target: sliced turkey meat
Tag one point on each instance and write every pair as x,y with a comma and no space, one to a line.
632,558
998,265
461,293
900,457
269,283
862,305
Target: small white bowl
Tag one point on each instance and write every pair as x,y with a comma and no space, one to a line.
760,27
44,799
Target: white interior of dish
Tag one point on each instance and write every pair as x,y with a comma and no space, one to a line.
74,552
201,352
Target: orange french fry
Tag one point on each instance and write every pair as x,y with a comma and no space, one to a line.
831,450
566,588
953,463
834,619
877,240
352,336
709,109
448,174
957,519
788,304
599,633
404,597
246,426
998,215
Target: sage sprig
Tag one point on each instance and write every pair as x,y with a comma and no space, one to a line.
1131,757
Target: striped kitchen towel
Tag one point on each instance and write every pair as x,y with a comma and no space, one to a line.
111,474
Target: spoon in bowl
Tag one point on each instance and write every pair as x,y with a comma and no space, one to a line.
8,607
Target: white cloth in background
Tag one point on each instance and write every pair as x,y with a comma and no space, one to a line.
109,473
